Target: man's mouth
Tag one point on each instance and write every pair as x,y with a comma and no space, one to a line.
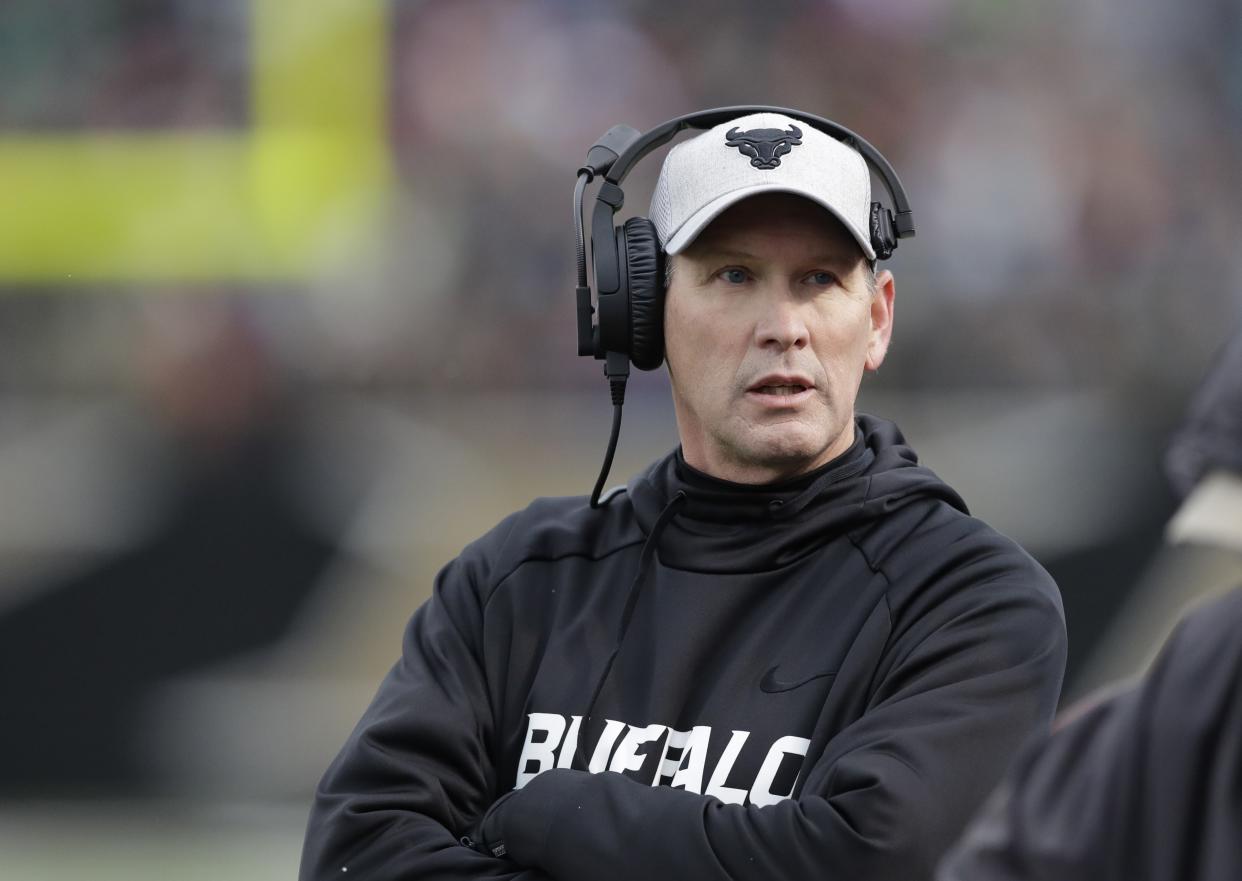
780,389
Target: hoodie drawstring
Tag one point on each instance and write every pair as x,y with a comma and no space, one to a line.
631,601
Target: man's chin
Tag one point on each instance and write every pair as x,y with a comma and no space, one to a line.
783,457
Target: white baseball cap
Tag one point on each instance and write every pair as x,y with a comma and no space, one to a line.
759,153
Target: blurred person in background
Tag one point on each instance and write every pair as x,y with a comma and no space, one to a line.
786,643
228,560
1143,781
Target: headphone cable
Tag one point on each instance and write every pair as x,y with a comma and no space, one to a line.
617,369
616,364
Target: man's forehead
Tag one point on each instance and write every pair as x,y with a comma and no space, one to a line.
770,216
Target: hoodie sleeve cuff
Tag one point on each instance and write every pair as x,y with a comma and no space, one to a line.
527,818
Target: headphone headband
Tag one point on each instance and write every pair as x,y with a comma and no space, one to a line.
639,145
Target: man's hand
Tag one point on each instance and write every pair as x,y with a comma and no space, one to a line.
486,836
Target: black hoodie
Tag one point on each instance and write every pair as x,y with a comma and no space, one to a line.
821,678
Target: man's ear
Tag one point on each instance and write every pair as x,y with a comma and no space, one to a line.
881,319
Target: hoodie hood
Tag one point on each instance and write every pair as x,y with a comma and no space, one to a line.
733,527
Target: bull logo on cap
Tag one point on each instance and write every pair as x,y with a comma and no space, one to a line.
764,146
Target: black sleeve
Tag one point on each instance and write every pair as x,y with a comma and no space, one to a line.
887,797
415,774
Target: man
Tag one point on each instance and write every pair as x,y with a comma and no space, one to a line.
786,651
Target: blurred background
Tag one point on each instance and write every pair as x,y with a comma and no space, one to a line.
286,318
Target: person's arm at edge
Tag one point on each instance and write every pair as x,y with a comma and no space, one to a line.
1135,780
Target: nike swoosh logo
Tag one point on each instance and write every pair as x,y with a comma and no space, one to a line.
772,685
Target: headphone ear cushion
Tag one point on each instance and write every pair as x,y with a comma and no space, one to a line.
645,262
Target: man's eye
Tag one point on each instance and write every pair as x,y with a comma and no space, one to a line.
822,278
733,276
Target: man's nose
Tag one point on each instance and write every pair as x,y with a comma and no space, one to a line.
781,325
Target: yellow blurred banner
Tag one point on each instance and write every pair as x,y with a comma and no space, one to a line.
281,201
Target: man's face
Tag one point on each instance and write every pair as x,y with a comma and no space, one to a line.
769,322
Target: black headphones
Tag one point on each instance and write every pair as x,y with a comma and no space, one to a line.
628,260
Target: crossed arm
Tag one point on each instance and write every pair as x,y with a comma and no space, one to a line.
888,794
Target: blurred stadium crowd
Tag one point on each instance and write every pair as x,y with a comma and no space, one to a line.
197,475
1070,165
